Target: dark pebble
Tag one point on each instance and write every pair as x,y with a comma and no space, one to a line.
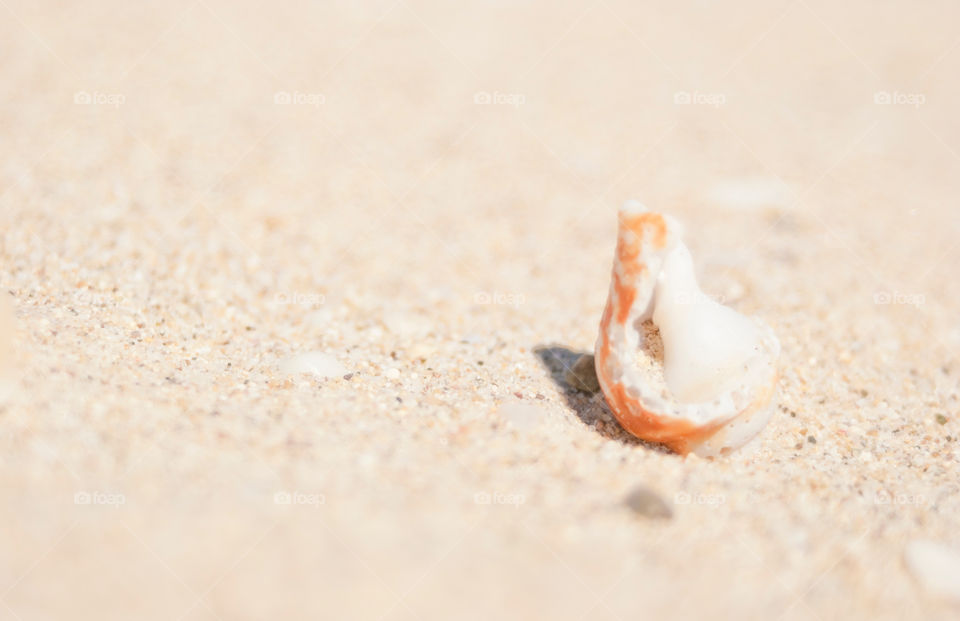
645,502
583,375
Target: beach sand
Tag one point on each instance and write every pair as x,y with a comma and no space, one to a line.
192,192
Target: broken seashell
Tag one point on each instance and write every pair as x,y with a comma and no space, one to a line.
677,367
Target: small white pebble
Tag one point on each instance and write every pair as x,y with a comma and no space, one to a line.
936,566
523,416
317,363
421,350
392,374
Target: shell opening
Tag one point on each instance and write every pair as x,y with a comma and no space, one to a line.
707,347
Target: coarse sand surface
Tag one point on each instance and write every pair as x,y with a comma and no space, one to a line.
423,194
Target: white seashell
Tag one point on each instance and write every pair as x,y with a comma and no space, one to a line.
675,366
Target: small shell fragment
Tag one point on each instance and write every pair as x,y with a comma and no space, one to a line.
677,367
317,363
522,416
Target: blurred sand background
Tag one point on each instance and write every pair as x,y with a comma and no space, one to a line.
436,203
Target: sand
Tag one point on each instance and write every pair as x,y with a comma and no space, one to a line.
426,192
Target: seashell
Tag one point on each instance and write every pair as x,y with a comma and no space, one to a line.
675,366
